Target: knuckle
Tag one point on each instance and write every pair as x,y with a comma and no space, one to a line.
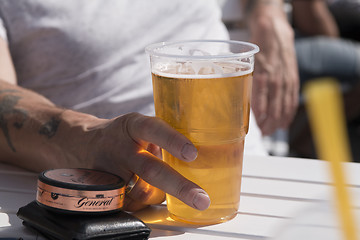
129,122
146,126
276,83
172,141
140,126
183,190
260,82
149,170
131,117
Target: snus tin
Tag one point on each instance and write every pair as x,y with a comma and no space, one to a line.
80,191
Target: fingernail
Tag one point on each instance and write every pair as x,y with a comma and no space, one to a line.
201,201
189,152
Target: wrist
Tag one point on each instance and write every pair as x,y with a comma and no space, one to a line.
37,135
266,17
263,11
76,136
254,6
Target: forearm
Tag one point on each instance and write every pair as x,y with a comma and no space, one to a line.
312,17
251,6
36,134
275,86
269,28
261,15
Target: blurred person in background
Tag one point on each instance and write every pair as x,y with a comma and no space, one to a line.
323,52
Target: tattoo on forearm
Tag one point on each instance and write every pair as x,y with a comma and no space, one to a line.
49,129
7,107
8,91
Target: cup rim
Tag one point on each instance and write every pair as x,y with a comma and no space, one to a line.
151,49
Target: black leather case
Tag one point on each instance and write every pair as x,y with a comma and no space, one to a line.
119,225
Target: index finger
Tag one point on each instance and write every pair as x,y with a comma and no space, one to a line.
161,175
157,131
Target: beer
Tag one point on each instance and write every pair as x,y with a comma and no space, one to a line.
212,110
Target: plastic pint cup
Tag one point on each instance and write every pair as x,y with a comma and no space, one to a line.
202,88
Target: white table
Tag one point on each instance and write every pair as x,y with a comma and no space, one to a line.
274,190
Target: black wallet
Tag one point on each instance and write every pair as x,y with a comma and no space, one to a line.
59,226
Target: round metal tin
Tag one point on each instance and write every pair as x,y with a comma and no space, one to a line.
80,190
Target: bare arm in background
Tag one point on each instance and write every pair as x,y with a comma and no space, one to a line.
276,81
312,17
37,135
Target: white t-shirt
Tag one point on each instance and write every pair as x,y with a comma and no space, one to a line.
89,55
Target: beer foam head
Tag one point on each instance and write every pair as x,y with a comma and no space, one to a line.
202,58
202,69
